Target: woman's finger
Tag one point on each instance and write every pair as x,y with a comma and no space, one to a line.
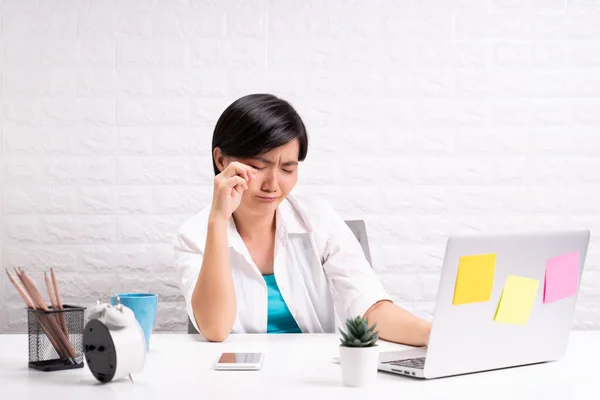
239,189
237,168
236,181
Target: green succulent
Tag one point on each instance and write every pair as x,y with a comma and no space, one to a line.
358,333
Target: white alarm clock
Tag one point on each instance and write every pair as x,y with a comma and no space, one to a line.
113,342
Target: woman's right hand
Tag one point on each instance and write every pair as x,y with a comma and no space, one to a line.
228,189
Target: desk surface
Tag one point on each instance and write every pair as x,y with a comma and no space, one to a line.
295,367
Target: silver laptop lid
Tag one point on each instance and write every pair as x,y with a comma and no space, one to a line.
466,337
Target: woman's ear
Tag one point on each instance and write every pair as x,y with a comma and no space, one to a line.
220,159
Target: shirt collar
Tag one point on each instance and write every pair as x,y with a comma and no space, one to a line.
290,217
288,220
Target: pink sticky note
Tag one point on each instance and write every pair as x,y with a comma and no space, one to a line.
562,276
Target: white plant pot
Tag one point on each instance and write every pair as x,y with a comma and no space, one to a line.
359,365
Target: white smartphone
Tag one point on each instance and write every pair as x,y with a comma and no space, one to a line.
240,361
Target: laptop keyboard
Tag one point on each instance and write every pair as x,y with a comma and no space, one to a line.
417,363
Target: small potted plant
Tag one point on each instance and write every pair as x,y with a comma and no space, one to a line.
359,354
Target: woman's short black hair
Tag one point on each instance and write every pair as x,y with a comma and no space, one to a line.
255,124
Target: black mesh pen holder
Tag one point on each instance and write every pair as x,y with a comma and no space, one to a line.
56,338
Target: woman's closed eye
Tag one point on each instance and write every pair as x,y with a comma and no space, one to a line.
287,171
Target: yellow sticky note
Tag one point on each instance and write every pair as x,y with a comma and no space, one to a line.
475,278
516,300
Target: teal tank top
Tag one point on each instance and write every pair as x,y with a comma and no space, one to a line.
279,319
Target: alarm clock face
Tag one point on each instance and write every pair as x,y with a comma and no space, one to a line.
99,349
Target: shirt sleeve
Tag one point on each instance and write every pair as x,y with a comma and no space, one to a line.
356,287
188,260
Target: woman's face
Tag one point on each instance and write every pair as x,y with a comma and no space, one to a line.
276,176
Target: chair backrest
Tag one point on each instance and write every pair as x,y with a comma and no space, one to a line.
357,227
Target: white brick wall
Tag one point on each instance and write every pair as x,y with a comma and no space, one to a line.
426,117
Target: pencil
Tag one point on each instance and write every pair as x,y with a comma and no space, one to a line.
50,292
53,323
54,304
24,295
38,303
42,321
59,301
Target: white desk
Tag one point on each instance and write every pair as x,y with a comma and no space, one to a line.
179,366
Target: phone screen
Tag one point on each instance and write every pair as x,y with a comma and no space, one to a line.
240,358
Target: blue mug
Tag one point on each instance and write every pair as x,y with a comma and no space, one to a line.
144,307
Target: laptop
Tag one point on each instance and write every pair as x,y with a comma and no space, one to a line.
504,300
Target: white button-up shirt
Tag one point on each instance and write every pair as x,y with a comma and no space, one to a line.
319,266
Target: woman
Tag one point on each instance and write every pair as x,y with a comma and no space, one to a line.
260,260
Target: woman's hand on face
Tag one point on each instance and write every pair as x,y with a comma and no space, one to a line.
229,187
